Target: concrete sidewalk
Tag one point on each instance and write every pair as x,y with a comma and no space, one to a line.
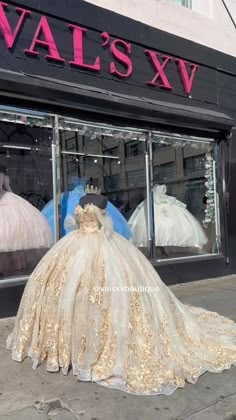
32,395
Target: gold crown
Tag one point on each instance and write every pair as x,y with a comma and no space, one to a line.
89,189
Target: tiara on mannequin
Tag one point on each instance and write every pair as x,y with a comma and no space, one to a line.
89,189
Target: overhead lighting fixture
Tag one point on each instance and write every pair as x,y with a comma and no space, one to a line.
65,152
104,156
107,134
95,160
12,146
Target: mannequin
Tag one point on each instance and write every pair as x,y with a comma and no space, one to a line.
69,200
93,196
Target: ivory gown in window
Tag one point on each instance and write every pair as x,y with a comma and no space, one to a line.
174,224
139,342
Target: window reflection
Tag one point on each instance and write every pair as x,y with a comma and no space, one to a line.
97,155
114,161
184,182
184,201
25,188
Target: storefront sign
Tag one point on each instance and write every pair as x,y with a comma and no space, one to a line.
121,62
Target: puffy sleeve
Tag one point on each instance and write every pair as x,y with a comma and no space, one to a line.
1,180
70,223
103,219
6,183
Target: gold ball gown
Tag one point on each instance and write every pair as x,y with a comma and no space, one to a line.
96,304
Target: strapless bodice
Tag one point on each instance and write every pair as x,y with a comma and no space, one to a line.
88,222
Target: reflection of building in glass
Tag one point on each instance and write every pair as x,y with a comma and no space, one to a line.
25,153
194,165
115,160
164,172
117,166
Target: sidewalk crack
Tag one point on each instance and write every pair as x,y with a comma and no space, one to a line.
206,407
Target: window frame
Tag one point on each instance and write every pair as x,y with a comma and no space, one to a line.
56,162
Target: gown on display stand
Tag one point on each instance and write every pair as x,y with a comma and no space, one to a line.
22,227
96,304
69,200
175,226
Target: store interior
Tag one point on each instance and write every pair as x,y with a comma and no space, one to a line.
163,188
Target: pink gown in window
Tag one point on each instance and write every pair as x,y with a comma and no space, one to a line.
22,226
95,303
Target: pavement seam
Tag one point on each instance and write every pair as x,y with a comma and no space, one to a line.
203,282
19,409
231,290
207,406
200,292
58,396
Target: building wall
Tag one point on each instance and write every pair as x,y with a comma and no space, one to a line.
27,84
207,23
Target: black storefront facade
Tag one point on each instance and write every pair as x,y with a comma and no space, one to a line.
90,96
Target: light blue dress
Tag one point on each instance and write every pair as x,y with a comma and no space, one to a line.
70,199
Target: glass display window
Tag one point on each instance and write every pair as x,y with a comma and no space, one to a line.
25,188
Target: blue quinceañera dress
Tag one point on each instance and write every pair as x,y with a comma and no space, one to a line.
69,200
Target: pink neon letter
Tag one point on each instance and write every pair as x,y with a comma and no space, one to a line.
8,35
78,50
121,58
159,68
187,81
48,42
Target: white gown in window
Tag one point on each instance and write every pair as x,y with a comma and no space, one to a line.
22,226
174,224
95,303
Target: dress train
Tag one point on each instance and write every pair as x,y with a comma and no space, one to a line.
95,303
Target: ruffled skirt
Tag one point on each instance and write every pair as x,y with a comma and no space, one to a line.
22,226
175,226
97,305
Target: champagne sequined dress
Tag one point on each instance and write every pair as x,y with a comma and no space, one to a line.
96,304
